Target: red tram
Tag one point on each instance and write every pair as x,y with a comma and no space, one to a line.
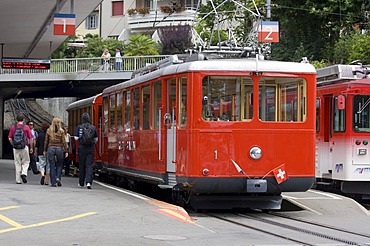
343,129
93,106
218,133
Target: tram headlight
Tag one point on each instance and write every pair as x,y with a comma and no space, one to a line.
255,153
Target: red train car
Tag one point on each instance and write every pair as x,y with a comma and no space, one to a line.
93,106
343,129
218,133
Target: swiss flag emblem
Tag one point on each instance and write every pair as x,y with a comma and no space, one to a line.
280,174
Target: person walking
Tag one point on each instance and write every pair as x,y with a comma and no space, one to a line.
44,166
55,145
87,136
19,136
118,62
106,59
33,159
67,161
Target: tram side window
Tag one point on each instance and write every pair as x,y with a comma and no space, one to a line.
112,112
105,113
182,102
282,99
227,98
136,109
171,100
339,119
157,104
127,110
146,106
361,113
119,112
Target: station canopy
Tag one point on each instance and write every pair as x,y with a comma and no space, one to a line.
27,27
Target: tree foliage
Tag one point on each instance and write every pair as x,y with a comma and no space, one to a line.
312,27
352,47
140,45
175,39
95,46
230,19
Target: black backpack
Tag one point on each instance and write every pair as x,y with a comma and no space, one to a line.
19,140
88,133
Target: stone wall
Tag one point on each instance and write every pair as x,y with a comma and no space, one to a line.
57,106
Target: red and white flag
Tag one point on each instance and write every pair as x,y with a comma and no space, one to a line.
280,174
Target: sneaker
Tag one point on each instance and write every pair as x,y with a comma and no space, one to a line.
53,185
42,181
18,182
79,185
24,178
88,185
59,183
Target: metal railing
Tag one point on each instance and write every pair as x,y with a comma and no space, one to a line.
90,65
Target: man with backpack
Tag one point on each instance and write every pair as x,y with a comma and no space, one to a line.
19,136
87,136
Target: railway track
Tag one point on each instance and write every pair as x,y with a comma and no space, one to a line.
30,109
294,230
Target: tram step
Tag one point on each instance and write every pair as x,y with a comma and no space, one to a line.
165,186
323,183
172,179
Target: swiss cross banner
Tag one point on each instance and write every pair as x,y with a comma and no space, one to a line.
280,174
268,32
64,24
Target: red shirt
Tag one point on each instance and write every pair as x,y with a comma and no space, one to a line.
26,130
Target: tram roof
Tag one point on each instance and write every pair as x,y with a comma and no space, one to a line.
83,102
230,65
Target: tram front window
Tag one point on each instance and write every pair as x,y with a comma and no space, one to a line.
227,98
361,113
282,99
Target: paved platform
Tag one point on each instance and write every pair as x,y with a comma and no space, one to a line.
34,214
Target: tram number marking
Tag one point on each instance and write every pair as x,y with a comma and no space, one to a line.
268,31
268,36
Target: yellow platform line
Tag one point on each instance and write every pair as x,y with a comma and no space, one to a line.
9,207
47,222
9,221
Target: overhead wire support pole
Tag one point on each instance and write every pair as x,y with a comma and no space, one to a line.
72,7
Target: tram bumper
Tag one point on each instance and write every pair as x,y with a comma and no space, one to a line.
225,201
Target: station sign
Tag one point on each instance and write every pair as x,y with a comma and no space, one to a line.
268,32
64,24
24,63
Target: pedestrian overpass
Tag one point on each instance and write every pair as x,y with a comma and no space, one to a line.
79,77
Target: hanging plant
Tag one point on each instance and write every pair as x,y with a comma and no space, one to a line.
143,11
131,12
167,9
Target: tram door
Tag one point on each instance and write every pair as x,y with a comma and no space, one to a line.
328,133
170,125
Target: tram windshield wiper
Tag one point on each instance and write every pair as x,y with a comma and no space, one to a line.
361,109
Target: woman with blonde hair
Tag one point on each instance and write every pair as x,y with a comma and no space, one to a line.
106,59
55,145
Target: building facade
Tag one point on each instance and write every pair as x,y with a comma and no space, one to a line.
121,19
